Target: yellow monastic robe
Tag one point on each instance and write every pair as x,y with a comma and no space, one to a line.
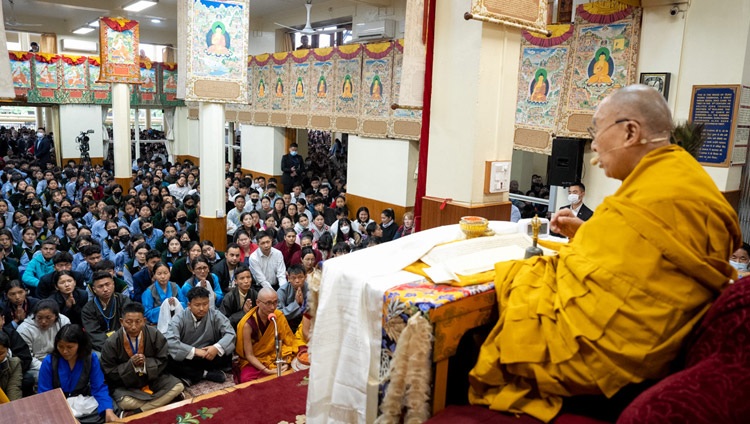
616,304
265,349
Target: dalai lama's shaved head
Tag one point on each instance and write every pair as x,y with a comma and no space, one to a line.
628,125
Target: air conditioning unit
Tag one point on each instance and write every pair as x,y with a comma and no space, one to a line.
375,30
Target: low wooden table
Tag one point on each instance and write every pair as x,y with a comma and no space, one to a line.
48,408
452,311
450,322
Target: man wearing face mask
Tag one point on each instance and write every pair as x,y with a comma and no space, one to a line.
150,234
575,197
293,167
740,260
116,198
42,147
254,203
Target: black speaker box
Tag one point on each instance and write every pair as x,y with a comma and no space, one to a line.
566,162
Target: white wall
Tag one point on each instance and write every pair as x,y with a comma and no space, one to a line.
382,169
262,148
77,118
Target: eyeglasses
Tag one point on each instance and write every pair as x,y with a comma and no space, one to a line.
593,133
270,303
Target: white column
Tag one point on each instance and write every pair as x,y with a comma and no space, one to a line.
40,119
137,132
121,130
211,118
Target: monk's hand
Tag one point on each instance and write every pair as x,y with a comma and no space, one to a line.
565,222
298,297
211,352
138,360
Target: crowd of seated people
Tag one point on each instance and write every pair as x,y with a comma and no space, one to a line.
108,293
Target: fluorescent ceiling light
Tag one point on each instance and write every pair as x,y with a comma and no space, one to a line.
156,21
94,24
139,5
83,30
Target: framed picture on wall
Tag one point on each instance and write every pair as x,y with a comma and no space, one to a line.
657,80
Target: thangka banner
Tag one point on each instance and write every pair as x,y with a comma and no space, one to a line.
118,40
541,79
322,79
347,86
101,91
302,88
604,58
261,74
169,84
20,70
147,92
46,78
527,14
217,51
74,87
376,88
405,123
281,85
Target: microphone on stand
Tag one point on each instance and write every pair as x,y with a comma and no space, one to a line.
277,339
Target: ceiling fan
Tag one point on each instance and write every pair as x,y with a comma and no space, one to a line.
308,29
12,22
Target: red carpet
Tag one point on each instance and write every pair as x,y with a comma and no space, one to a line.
271,402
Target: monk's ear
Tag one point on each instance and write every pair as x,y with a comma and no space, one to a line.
632,133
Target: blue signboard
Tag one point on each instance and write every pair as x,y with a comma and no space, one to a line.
715,106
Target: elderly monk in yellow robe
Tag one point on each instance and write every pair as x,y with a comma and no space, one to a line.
616,304
256,345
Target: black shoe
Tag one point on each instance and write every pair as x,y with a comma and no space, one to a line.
215,376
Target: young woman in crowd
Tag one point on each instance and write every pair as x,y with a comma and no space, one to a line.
18,304
69,298
160,291
202,277
308,260
279,209
318,227
247,247
11,370
388,224
246,224
302,225
173,252
182,269
291,212
345,234
363,219
74,368
284,225
39,329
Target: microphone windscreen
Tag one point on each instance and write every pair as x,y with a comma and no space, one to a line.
271,316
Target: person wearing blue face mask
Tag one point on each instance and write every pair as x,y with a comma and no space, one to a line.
293,168
740,259
42,148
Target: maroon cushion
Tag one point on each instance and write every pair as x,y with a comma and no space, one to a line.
715,385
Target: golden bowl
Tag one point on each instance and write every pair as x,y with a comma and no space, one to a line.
473,226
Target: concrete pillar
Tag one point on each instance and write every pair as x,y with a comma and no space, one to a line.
137,131
262,149
39,115
473,113
121,134
48,43
148,119
212,218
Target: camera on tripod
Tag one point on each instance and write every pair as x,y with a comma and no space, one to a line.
83,143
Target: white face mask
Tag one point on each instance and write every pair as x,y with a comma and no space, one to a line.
40,134
739,266
345,230
573,198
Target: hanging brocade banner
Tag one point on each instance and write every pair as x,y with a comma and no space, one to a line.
46,78
541,78
119,58
74,88
526,14
216,65
603,59
20,70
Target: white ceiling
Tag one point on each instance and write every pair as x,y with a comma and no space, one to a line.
63,16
